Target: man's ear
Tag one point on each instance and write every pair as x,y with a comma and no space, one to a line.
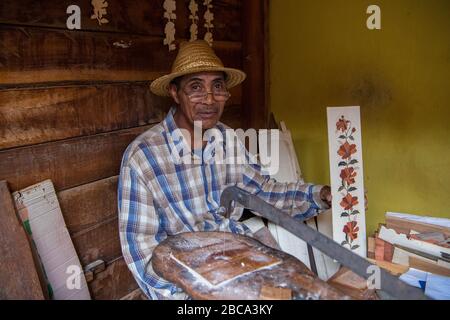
174,93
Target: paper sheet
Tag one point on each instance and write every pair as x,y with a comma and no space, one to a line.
436,287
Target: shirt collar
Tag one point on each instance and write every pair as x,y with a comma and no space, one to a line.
169,121
176,140
173,136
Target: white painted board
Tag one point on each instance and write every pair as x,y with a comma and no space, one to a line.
346,175
40,212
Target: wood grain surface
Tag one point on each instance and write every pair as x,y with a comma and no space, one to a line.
290,273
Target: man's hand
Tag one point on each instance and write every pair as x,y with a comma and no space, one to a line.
325,195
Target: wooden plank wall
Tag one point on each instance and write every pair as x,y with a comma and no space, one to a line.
71,102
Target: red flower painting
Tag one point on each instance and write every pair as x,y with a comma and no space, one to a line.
347,150
351,230
348,175
341,125
348,202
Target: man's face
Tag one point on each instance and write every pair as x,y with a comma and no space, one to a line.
207,110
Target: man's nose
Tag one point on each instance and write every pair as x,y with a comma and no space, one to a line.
209,98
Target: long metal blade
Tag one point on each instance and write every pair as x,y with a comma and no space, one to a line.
388,283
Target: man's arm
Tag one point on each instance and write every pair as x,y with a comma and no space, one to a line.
140,232
297,198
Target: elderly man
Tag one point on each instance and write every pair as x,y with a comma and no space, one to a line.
160,196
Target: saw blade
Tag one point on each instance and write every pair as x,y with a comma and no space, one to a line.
387,282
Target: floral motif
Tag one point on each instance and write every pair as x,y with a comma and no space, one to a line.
351,230
193,8
169,30
348,174
341,125
348,202
346,150
209,17
99,8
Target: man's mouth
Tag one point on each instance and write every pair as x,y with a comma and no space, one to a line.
207,114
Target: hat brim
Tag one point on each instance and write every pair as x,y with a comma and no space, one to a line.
160,86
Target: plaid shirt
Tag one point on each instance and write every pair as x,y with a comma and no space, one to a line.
159,196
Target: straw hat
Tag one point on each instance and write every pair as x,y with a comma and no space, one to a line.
195,56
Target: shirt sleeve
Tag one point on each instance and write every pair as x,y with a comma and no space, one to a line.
140,232
299,199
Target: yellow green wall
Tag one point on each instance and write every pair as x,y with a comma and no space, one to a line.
322,54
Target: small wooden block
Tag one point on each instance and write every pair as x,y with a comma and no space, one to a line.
393,268
352,284
379,249
384,251
424,265
388,251
272,293
371,247
348,278
371,244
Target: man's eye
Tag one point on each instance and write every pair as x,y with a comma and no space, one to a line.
219,86
196,87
